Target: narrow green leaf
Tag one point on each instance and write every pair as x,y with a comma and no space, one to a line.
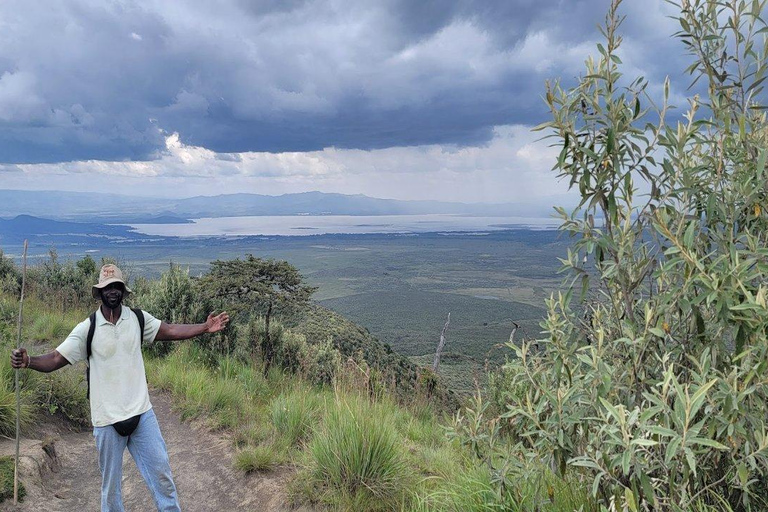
643,442
743,474
760,164
629,496
708,442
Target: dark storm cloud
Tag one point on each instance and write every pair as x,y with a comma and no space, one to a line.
109,80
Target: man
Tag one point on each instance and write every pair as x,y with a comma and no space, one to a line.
121,413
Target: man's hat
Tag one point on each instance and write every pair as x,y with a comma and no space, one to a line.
109,274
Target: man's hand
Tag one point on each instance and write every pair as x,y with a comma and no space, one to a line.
19,358
216,323
45,363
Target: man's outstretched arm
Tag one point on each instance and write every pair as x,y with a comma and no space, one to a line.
174,332
45,363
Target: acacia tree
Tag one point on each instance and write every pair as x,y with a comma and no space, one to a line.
257,285
656,391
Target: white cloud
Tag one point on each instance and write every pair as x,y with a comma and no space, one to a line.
513,166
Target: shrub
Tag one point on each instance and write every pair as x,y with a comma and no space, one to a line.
651,390
172,298
10,277
289,351
63,285
320,362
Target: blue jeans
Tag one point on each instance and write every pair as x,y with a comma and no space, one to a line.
148,451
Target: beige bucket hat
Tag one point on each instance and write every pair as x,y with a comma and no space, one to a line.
109,274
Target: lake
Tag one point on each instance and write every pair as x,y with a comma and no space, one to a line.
302,225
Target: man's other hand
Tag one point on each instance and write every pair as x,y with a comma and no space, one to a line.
216,323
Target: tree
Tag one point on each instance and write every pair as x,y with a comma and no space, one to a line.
656,391
258,285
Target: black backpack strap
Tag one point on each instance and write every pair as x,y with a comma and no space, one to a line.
140,315
88,343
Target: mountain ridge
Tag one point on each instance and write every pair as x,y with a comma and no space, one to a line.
106,208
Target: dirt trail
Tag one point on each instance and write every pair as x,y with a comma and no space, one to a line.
201,462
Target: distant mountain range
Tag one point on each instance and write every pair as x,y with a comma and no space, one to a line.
102,208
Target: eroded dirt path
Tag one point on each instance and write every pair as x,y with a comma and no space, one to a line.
201,462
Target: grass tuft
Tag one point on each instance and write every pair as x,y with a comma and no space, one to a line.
356,459
257,458
6,480
294,414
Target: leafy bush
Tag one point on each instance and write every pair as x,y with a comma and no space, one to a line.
289,351
10,277
320,363
652,390
173,298
63,285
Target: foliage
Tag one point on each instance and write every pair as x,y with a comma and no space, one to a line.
173,298
64,285
320,363
653,391
294,415
356,460
7,468
10,277
256,458
257,285
64,392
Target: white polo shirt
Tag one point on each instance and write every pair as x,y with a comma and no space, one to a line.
118,380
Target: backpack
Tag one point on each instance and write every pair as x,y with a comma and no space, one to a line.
89,341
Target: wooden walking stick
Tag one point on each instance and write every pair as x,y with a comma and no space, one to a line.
18,396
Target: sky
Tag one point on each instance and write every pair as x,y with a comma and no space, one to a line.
404,99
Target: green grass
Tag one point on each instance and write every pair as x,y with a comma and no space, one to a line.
51,327
357,460
257,459
199,390
64,392
471,490
6,480
294,415
351,452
